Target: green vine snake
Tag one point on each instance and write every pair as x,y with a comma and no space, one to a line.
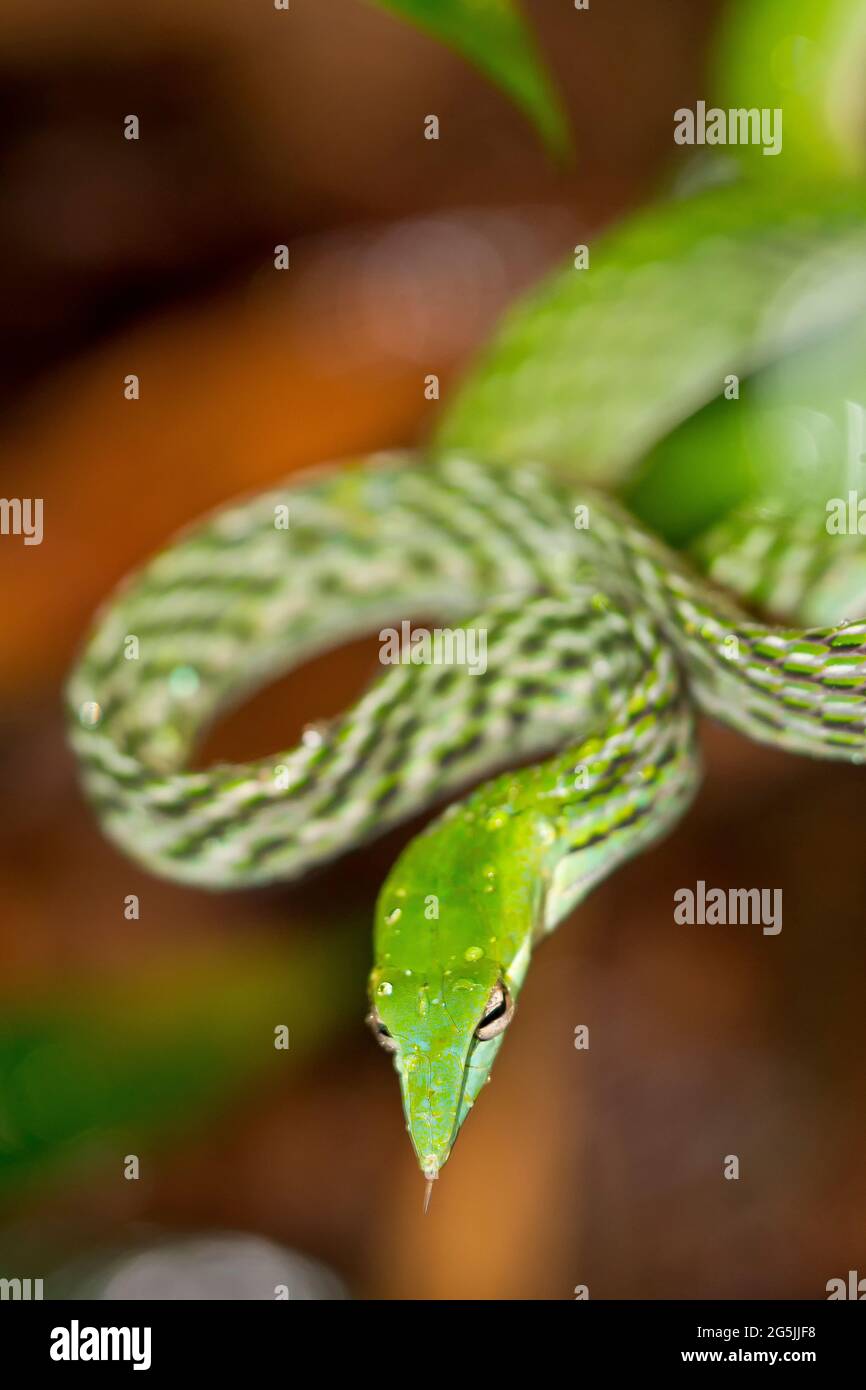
603,642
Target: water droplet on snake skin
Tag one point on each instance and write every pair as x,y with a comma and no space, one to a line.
90,714
385,988
473,953
183,682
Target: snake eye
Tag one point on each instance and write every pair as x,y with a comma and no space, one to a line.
500,1007
380,1032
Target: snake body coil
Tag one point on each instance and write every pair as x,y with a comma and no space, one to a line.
572,611
602,645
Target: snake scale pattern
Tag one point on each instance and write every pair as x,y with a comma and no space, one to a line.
602,646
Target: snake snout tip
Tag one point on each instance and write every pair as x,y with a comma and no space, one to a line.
431,1173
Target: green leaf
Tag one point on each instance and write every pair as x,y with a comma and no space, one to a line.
493,35
804,57
596,367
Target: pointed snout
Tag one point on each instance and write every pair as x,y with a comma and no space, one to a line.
432,1100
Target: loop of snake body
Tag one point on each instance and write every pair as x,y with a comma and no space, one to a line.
601,646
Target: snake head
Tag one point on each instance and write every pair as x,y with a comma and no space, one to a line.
444,1030
454,925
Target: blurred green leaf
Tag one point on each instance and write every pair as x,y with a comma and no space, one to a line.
591,371
807,58
493,35
88,1074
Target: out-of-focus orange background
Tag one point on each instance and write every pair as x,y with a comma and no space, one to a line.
601,1168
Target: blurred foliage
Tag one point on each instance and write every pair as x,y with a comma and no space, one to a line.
493,35
595,368
806,57
789,439
89,1074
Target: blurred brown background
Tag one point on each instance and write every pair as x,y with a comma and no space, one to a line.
603,1167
